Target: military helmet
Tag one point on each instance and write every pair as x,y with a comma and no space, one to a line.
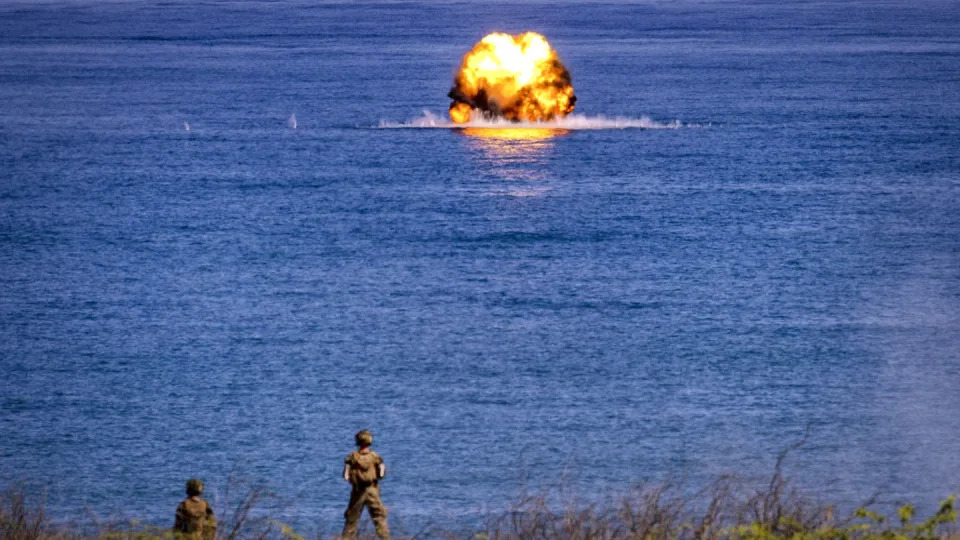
363,438
194,486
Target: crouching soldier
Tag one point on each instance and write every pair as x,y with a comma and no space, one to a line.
364,469
195,520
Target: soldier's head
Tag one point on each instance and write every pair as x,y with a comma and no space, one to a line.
194,487
363,438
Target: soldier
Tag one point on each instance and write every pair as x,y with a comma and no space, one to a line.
195,519
363,468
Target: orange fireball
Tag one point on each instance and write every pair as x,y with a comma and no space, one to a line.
519,78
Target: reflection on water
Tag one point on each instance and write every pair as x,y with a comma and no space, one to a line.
517,154
514,133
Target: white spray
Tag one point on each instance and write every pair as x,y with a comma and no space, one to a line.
570,122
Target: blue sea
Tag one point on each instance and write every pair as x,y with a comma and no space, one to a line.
234,233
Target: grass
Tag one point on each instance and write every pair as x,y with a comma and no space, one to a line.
727,509
724,510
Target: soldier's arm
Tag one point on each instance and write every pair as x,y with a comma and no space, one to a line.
209,530
211,523
178,521
346,472
381,470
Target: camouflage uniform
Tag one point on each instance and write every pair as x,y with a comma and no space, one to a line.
194,519
364,491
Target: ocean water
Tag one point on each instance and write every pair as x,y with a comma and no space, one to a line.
234,233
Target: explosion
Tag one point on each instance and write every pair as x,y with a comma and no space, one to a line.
519,78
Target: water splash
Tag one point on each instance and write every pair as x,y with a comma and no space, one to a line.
571,122
186,125
292,121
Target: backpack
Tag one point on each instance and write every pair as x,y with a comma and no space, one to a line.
191,516
364,468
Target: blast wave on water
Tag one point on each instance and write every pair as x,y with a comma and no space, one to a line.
571,122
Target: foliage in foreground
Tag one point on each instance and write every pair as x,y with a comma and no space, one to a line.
656,514
726,509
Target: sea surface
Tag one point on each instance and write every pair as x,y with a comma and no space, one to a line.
234,233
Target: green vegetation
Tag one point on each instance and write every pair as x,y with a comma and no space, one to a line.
726,509
655,513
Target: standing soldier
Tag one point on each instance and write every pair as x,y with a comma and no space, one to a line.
195,519
363,468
